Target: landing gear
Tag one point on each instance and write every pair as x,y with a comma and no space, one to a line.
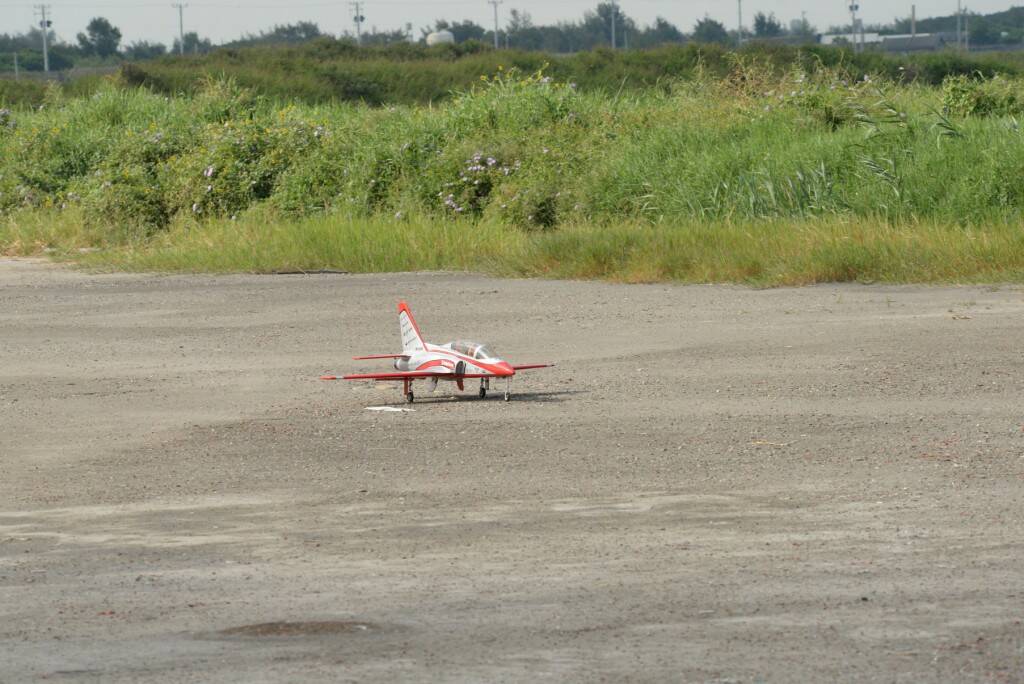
508,389
409,397
485,385
407,389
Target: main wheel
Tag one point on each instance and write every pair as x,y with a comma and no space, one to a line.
508,396
483,392
410,397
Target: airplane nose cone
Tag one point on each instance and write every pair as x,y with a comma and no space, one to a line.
505,370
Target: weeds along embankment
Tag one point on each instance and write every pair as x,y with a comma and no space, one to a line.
755,176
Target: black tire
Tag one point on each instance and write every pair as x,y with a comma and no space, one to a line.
508,396
410,397
483,392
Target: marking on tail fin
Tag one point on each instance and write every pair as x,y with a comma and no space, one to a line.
412,340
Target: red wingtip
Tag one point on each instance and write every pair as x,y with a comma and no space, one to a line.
328,377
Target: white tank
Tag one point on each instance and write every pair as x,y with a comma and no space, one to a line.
440,38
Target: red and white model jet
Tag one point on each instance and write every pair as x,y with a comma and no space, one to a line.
453,362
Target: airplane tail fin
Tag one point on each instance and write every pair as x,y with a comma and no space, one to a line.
411,338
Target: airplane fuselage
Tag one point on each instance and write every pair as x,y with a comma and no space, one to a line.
443,359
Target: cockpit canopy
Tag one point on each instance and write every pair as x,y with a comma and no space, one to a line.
474,350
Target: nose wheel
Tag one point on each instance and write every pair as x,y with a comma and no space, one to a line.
485,385
407,388
508,389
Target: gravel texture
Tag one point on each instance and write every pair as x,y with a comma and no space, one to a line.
714,484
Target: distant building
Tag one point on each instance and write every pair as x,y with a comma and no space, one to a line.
441,38
903,43
851,39
922,42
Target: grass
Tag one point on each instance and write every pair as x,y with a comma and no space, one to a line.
327,71
762,253
755,177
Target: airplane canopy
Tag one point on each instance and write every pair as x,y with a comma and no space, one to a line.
475,350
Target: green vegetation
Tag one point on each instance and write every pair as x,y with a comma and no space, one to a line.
756,176
328,70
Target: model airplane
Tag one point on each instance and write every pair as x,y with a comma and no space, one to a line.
453,362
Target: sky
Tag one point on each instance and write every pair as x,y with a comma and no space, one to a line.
222,20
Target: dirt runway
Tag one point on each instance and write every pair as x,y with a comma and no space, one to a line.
715,484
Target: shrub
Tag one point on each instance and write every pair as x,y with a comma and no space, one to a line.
966,96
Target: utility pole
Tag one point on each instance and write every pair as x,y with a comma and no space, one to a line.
17,74
959,26
853,27
739,27
863,37
45,24
495,3
913,22
615,11
967,31
358,19
181,26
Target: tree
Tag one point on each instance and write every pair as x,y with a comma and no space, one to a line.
194,45
301,32
145,50
375,37
463,31
662,32
983,32
596,28
521,32
804,29
519,20
708,30
766,25
101,38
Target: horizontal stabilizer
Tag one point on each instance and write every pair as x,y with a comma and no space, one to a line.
415,375
412,375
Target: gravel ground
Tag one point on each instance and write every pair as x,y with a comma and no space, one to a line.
715,484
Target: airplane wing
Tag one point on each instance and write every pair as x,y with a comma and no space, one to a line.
531,366
411,375
375,357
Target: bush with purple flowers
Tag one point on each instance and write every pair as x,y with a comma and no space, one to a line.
470,193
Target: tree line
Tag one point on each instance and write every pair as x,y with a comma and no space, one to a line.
102,42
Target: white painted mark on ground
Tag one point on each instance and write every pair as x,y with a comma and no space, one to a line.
389,409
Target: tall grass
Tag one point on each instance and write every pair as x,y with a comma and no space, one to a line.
757,176
760,253
328,71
